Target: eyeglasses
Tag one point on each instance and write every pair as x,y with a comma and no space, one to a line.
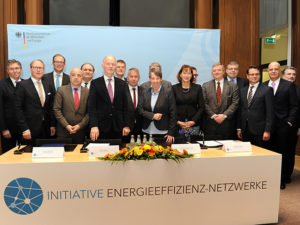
37,68
59,62
195,75
254,74
233,68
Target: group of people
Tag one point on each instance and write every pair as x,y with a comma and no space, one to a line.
112,106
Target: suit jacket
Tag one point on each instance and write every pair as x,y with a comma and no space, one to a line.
228,106
135,120
165,104
104,114
285,102
7,106
29,111
49,79
64,109
241,82
258,116
189,105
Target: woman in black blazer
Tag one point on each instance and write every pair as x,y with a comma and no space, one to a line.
189,102
158,108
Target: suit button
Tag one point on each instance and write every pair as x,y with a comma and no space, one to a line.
110,114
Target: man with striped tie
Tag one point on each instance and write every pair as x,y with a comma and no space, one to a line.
34,106
255,114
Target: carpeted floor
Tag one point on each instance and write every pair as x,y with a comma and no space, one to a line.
289,210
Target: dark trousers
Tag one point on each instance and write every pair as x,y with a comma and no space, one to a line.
255,139
9,143
293,138
280,144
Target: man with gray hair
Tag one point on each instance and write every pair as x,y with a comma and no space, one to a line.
289,73
8,125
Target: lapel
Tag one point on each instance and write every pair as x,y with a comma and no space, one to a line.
225,90
213,88
32,90
159,98
104,89
130,101
82,98
255,94
70,97
280,86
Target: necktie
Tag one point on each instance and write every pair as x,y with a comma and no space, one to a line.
134,98
273,86
250,95
110,91
85,84
57,83
219,94
41,94
76,98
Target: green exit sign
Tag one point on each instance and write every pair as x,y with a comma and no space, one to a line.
270,40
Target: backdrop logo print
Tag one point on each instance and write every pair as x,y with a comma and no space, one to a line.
18,34
23,196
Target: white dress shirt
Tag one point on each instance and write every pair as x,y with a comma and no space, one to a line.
60,78
253,89
112,82
136,93
276,85
221,84
37,87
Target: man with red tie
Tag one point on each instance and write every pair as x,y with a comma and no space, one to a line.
70,108
107,105
133,93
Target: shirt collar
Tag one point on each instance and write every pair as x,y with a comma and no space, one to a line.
34,80
54,73
152,93
106,78
221,81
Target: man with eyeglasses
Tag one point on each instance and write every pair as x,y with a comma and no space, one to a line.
255,114
8,125
232,72
34,106
57,78
195,75
285,109
289,74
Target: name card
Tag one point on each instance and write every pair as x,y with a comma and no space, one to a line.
236,146
48,152
191,148
102,150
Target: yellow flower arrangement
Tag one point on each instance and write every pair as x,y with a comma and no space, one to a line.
147,152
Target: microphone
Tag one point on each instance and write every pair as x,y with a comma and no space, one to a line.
201,133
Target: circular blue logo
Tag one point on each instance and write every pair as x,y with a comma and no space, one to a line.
23,196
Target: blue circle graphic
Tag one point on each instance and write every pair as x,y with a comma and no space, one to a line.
23,196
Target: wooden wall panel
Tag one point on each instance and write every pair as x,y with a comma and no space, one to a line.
239,24
34,11
203,14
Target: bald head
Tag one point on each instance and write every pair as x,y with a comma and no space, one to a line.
76,77
274,70
109,65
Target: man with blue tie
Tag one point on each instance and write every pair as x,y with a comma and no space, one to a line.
8,125
285,109
57,78
107,104
232,72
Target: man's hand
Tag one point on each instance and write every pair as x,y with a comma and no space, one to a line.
69,129
298,132
52,131
157,116
266,136
219,118
6,134
94,134
126,131
189,124
170,139
75,128
27,135
239,134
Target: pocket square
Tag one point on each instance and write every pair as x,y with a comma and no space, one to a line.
49,93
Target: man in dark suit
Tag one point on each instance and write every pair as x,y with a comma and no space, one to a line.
34,105
8,125
107,104
57,78
285,109
70,108
121,69
255,114
289,74
133,93
221,99
88,71
232,72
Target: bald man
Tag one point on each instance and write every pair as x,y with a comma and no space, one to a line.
70,108
285,110
107,105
